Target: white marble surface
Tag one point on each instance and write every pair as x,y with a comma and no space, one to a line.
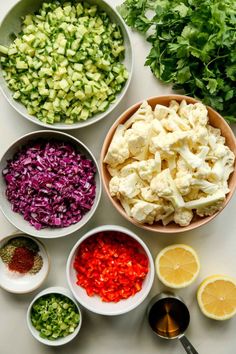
215,243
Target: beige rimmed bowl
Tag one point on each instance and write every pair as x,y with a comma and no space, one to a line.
215,119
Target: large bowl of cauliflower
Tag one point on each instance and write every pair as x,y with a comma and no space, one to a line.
168,164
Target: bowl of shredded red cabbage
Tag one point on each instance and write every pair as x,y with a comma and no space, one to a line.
50,183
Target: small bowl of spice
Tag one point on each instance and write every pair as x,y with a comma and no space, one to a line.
24,263
53,317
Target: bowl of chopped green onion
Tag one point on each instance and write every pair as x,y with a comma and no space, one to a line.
64,65
53,317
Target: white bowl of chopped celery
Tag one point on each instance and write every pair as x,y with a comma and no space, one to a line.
54,317
64,65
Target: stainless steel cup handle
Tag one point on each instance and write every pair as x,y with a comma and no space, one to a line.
187,345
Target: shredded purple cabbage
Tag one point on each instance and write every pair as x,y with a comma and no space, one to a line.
50,184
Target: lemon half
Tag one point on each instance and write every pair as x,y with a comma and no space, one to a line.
217,297
177,266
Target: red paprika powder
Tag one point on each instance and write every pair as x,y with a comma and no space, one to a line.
22,260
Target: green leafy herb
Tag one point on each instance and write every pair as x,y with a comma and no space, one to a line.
193,46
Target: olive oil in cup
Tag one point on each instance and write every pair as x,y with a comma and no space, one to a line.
169,317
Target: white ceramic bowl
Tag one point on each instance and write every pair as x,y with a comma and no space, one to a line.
17,219
23,283
94,303
12,24
33,330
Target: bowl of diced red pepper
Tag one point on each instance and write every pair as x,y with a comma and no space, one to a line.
110,270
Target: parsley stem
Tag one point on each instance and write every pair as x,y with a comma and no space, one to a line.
219,57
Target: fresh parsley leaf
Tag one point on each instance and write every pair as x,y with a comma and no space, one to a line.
193,46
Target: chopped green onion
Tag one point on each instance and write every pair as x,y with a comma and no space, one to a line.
54,316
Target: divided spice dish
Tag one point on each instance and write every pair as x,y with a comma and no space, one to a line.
105,283
61,102
73,197
215,120
16,279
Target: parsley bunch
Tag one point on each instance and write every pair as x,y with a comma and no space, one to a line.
193,46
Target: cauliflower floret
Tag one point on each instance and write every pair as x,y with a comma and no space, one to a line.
146,169
161,112
165,212
202,152
214,137
224,165
165,141
171,162
144,113
169,124
128,186
177,142
157,127
170,120
113,171
196,114
164,186
207,205
182,110
183,181
114,186
203,171
148,195
166,160
193,160
118,150
218,152
200,136
174,105
210,209
168,219
182,165
128,169
192,195
127,204
183,216
199,115
205,186
137,138
173,122
144,212
116,171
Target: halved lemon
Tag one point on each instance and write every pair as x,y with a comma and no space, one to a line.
217,297
177,266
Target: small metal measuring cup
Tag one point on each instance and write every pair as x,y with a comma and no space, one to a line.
169,317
